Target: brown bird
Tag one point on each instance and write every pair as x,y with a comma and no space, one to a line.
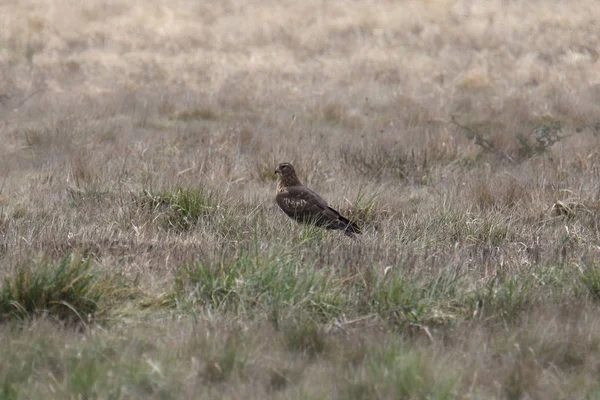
304,205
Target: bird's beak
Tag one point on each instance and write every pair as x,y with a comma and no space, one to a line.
277,171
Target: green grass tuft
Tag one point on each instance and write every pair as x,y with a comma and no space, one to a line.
246,283
404,299
590,276
394,370
181,208
64,291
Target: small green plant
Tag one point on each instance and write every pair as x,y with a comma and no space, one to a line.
363,207
181,208
393,297
209,284
64,291
311,233
504,297
590,276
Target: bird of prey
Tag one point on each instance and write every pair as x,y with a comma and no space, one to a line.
303,205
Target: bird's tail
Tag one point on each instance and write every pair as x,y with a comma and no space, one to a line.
344,224
350,228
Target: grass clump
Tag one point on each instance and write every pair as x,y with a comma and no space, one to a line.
394,370
63,290
507,297
181,208
311,233
590,277
362,210
247,282
427,299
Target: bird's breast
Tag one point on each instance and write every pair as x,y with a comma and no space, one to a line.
281,187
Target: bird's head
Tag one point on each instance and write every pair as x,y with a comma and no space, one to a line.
287,174
284,169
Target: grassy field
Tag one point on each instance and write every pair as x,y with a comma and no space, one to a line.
142,252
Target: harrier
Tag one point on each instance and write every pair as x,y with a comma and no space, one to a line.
304,205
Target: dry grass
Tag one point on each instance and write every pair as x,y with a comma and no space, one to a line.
138,144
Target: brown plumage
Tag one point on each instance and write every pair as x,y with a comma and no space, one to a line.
303,205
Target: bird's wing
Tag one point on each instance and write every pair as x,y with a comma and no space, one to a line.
303,204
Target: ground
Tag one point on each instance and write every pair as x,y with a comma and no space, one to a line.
143,255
